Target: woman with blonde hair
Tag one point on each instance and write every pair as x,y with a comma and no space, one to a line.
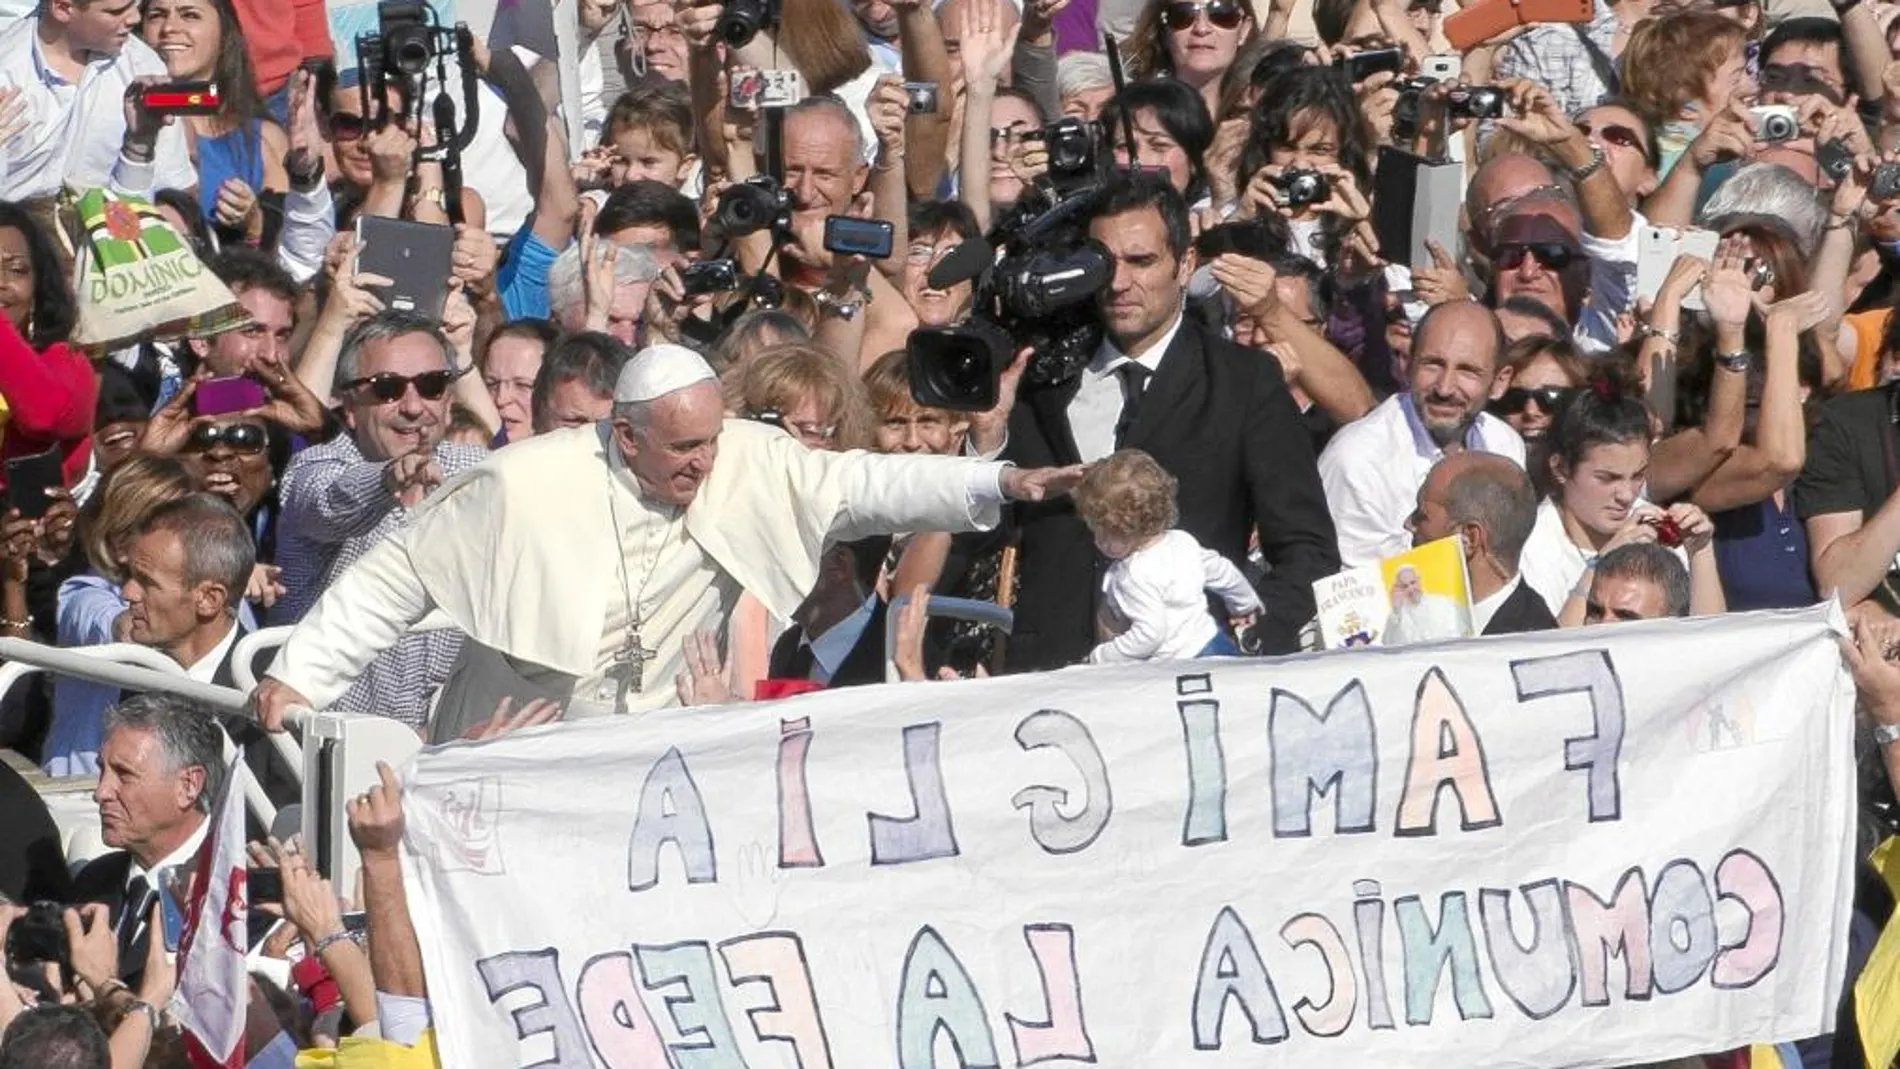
91,610
808,392
1681,72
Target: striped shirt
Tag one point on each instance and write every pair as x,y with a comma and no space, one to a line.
334,509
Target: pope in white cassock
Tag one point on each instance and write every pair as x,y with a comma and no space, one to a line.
579,562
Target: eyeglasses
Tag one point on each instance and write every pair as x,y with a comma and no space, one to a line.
390,387
240,437
347,126
1180,15
1518,398
1619,135
1550,254
809,433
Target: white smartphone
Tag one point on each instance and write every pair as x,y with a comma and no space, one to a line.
1655,251
1697,242
1443,68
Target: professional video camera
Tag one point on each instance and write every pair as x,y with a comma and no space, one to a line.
1033,288
409,41
750,206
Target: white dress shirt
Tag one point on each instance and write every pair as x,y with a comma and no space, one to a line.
74,132
1161,590
1484,609
207,666
1373,467
1097,404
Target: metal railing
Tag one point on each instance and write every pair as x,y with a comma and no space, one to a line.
988,613
141,668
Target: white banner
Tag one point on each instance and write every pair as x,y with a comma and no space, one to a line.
1581,848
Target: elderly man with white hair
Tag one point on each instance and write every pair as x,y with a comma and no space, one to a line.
579,563
577,306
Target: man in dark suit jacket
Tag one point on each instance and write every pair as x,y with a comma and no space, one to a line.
1218,417
160,768
837,635
1488,500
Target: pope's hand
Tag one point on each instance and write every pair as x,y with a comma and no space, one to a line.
272,702
1040,484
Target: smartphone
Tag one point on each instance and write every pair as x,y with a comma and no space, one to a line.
182,98
1362,65
235,393
171,916
922,96
709,276
858,237
266,885
1657,249
355,921
415,257
28,479
1443,68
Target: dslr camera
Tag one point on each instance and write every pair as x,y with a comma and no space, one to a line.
1304,187
741,20
1476,102
407,42
752,205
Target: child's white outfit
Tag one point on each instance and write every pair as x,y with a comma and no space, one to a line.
1161,590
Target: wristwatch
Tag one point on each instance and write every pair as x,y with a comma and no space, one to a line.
141,1006
1886,734
845,306
1597,160
1736,361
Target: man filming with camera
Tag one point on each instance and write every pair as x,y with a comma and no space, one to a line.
1218,417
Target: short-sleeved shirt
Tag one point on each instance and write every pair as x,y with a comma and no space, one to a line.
1850,466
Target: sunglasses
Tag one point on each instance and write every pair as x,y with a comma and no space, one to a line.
1222,13
240,437
1619,135
347,126
1518,398
1550,254
390,387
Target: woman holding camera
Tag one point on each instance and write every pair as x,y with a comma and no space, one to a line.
238,150
1688,74
1307,159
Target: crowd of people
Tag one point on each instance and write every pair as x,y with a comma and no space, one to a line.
647,454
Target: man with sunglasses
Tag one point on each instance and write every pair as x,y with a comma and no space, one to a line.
394,373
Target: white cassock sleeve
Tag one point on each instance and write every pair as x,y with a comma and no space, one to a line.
366,610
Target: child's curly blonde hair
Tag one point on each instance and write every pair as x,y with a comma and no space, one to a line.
1127,496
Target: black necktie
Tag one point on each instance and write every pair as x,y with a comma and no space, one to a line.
800,664
137,895
1134,379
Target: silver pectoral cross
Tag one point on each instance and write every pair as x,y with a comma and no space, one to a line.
628,671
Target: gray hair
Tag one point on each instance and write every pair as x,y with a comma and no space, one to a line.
637,415
1499,498
1079,72
590,357
1777,195
838,109
187,731
1649,563
387,326
218,546
567,290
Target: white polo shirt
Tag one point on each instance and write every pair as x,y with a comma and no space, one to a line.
74,132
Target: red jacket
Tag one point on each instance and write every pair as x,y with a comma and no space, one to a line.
50,399
279,34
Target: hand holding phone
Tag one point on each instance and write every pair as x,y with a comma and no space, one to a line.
222,396
28,480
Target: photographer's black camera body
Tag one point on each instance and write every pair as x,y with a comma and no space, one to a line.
1304,188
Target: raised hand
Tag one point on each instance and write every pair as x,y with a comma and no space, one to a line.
1726,291
410,477
704,681
1537,117
474,256
508,720
1803,311
376,817
1730,135
292,405
1249,281
1443,281
888,107
95,946
1684,276
1697,530
55,530
985,44
392,151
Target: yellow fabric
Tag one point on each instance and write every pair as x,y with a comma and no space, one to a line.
1868,328
1877,991
353,1053
1764,1056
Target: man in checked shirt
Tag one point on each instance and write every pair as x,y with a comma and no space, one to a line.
395,375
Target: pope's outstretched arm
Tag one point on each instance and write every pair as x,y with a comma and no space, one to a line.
368,608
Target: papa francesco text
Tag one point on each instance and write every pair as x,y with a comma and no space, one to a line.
1660,924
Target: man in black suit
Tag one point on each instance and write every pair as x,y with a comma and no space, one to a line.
160,768
837,635
1489,500
1218,417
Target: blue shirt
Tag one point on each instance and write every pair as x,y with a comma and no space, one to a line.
522,280
1761,553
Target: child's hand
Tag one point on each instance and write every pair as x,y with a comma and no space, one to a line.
1243,622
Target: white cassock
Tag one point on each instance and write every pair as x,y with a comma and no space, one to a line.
537,553
1434,618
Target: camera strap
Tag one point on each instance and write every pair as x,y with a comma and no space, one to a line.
1599,60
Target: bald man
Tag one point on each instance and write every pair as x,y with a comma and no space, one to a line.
1490,502
1373,468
